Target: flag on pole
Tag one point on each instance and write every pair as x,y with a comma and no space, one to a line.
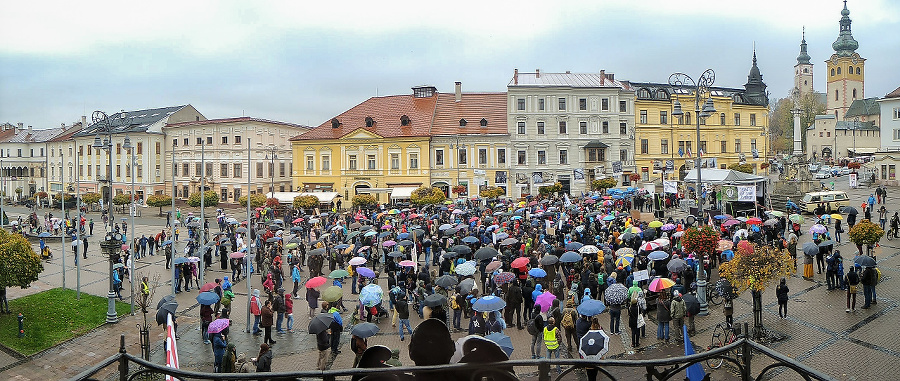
689,152
694,372
171,346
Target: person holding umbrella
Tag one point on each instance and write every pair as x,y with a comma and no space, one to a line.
206,317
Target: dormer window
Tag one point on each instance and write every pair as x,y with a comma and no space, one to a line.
736,98
661,94
404,120
462,122
335,123
370,122
644,94
483,122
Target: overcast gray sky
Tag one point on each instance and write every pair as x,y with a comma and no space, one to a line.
304,62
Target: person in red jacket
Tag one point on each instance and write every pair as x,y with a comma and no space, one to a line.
289,311
256,310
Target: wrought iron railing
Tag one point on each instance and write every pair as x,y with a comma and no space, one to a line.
739,355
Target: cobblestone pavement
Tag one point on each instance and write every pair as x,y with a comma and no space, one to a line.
817,331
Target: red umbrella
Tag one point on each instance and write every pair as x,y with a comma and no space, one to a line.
208,287
298,220
754,221
520,262
316,282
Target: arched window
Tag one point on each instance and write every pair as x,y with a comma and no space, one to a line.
661,94
335,123
687,118
839,70
857,70
806,70
832,72
404,120
484,121
462,122
835,95
854,93
805,83
644,94
369,121
850,71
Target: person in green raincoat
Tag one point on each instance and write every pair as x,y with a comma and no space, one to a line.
634,288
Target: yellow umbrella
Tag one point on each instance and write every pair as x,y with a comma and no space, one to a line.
837,216
655,224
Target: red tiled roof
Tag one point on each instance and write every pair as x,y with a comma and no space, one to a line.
386,112
67,135
894,94
233,120
472,107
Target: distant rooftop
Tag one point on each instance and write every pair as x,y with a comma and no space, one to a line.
567,79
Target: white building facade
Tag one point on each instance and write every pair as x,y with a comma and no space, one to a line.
569,128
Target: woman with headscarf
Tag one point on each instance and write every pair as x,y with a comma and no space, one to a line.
264,359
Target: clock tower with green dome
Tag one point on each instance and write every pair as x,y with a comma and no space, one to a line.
846,71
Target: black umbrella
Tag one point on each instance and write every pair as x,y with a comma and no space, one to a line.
451,231
466,285
395,254
864,261
827,243
593,345
450,254
272,240
164,300
810,249
240,230
676,265
446,281
850,210
319,251
405,242
166,309
725,289
435,300
486,252
320,323
549,259
692,304
461,249
364,330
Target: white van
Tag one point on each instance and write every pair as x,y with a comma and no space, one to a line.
834,201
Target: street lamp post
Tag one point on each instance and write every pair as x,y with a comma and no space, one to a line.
127,145
459,151
112,238
701,86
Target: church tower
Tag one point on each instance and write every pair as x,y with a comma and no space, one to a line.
846,71
803,71
755,88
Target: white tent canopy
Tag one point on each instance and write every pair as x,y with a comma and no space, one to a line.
722,176
288,197
402,193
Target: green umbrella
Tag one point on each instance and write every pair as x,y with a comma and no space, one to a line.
332,294
291,245
352,235
338,274
796,218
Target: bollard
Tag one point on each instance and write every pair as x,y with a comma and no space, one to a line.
21,325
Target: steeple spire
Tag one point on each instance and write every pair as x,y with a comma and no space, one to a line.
804,57
755,88
845,45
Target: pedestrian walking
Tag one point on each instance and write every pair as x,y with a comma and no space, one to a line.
781,292
267,319
678,309
852,281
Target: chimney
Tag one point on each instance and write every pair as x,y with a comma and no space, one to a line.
83,121
515,79
568,72
458,91
20,126
29,129
602,76
537,73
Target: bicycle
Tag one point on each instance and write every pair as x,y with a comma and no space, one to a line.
723,335
712,296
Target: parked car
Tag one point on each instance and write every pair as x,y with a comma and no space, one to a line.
845,171
822,174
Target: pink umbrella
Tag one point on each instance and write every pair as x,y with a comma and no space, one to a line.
473,219
298,220
124,247
236,255
218,325
388,243
730,223
493,266
545,300
407,263
385,227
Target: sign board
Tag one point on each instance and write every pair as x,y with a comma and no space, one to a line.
641,275
617,167
729,193
537,177
670,165
670,187
578,174
854,180
500,177
746,193
479,172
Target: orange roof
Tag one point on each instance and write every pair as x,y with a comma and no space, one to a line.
473,107
386,113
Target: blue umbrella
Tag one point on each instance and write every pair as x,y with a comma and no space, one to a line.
45,235
207,298
570,257
181,260
591,307
341,246
721,217
403,235
296,229
502,236
167,242
503,341
371,295
370,233
470,240
658,255
384,234
574,246
537,273
609,218
728,254
489,303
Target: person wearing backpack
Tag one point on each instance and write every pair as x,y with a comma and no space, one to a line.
514,304
535,329
456,303
569,315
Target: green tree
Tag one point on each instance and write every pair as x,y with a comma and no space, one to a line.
90,198
603,184
159,200
121,199
752,268
210,198
256,200
427,196
865,233
70,200
492,192
746,168
781,119
306,202
550,189
364,200
19,264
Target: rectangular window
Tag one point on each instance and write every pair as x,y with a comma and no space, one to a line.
753,119
752,144
237,194
681,150
326,163
395,161
520,128
689,146
158,148
896,113
482,156
174,170
664,146
562,128
184,191
643,116
828,134
601,154
540,128
259,170
223,168
737,119
542,157
623,106
541,104
238,170
645,173
737,146
224,140
563,156
463,157
521,158
821,134
605,127
592,154
208,140
604,104
520,104
209,169
281,169
414,161
174,142
582,104
722,118
310,162
582,128
892,173
724,147
351,162
224,193
501,155
623,128
562,104
439,157
663,117
884,172
623,155
185,141
237,140
199,141
645,146
198,169
703,147
370,161
185,169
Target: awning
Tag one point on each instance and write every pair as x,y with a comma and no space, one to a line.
402,193
288,197
866,150
324,197
283,197
596,144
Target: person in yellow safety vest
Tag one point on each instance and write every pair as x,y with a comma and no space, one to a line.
551,340
145,286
